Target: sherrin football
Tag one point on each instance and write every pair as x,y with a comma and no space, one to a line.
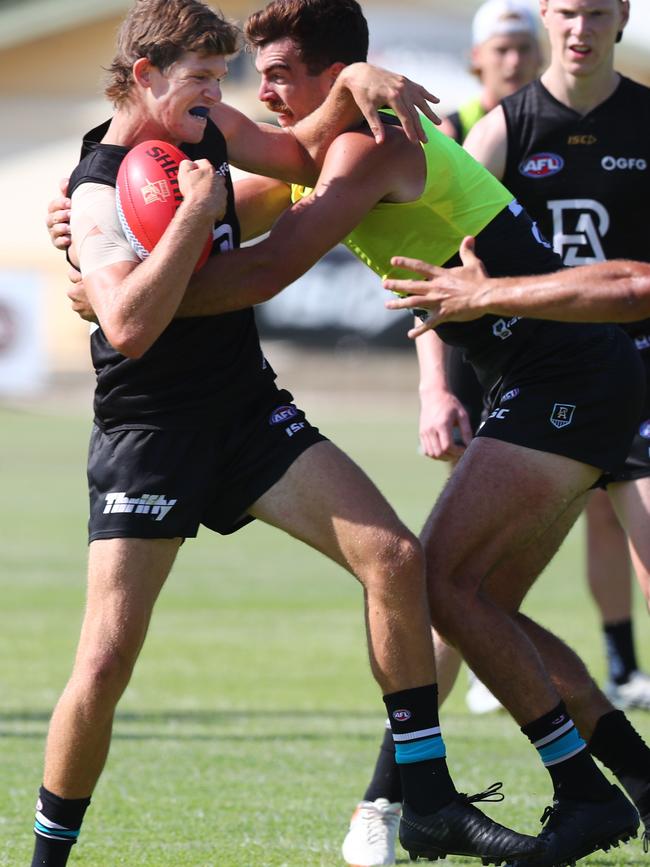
147,195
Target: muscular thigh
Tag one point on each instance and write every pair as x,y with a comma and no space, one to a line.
631,501
125,577
511,580
327,501
501,500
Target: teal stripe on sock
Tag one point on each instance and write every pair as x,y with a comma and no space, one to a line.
568,745
55,833
419,751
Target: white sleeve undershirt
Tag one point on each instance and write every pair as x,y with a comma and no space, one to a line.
95,229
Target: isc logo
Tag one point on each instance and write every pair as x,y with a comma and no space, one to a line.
541,165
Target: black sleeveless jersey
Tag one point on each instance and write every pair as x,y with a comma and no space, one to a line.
199,368
585,180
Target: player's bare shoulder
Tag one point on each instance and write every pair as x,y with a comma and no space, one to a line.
396,167
487,142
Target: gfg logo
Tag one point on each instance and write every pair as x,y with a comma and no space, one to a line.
541,165
611,164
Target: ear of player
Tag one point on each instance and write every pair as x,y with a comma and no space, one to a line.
148,196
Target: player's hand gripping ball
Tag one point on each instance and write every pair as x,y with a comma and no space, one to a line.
147,195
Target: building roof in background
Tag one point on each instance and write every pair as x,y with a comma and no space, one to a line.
24,20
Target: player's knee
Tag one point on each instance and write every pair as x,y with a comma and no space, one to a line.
396,567
105,672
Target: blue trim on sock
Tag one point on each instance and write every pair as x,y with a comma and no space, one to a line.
567,745
55,833
420,751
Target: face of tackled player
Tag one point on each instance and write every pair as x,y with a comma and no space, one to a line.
286,88
582,33
178,99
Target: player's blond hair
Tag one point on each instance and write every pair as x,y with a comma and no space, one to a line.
163,30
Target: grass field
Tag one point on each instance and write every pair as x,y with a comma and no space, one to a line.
251,724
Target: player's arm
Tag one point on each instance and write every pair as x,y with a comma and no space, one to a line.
613,291
135,302
440,409
357,173
259,202
296,154
487,142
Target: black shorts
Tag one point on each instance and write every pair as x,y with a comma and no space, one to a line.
162,484
637,464
576,390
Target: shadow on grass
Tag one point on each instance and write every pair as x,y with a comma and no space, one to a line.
37,721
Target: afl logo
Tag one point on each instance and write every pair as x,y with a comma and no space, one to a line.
644,430
401,715
510,395
282,413
541,165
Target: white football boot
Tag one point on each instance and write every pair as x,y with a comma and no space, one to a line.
478,698
635,692
370,842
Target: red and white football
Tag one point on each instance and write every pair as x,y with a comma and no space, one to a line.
147,195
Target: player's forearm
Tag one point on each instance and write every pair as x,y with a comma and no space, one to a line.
242,278
138,311
615,291
431,354
234,281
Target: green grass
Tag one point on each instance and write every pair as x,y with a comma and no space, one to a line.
251,724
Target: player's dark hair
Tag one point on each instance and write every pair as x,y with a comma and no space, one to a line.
323,31
163,30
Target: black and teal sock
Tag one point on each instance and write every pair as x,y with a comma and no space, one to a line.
419,748
386,781
57,825
563,752
617,744
621,655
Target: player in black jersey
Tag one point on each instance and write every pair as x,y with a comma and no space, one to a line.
579,157
574,147
190,427
558,145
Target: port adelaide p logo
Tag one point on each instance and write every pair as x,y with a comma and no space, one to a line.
562,414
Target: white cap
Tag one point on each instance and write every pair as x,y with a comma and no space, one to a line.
501,18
